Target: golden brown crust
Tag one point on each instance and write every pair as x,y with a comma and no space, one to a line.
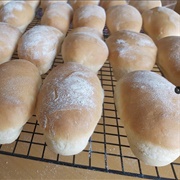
168,58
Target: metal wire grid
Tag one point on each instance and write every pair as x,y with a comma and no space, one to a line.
108,149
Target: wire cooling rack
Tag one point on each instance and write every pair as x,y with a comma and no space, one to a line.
108,149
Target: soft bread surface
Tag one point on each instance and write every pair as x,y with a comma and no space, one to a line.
85,48
145,5
91,16
9,37
40,45
161,22
45,3
106,4
58,15
80,3
149,108
69,107
20,82
130,51
18,14
168,58
123,17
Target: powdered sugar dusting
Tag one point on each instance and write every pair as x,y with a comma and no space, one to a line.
90,11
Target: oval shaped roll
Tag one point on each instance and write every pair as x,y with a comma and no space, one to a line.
149,108
123,17
130,51
69,107
20,82
90,16
40,45
85,48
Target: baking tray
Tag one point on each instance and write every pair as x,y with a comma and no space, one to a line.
108,148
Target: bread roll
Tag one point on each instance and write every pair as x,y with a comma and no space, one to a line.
79,3
145,5
18,14
20,82
58,15
161,22
40,45
130,51
149,108
87,30
168,58
9,36
85,48
91,16
106,4
69,107
45,3
123,17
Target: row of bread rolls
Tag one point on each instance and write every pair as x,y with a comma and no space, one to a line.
74,89
146,102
